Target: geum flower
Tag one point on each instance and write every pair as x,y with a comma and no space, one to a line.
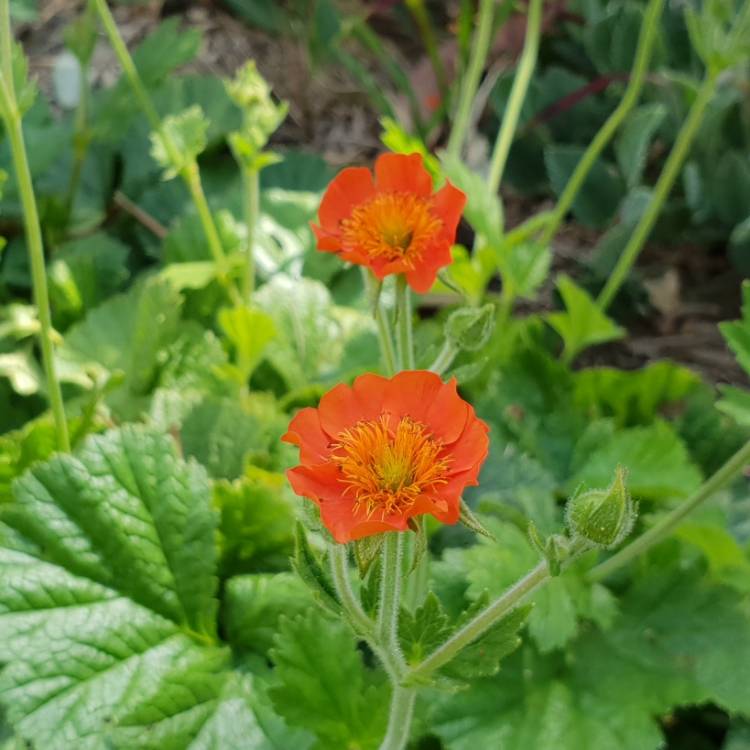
393,224
379,452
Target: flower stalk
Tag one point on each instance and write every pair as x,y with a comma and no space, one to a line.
470,83
663,187
12,118
517,96
404,331
390,591
190,173
643,53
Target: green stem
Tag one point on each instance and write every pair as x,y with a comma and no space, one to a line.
666,180
421,17
404,334
387,352
482,622
470,83
669,522
192,177
517,96
444,358
191,174
399,718
390,591
14,129
647,37
127,64
80,143
251,180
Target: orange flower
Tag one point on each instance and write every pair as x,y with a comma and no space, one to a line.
377,453
392,224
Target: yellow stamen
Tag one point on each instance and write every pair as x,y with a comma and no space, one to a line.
388,469
392,226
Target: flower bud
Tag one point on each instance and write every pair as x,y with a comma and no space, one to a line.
470,328
602,517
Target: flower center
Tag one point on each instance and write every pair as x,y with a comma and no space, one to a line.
391,227
387,469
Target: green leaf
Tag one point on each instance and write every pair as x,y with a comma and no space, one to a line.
482,657
22,371
729,182
657,462
220,434
736,403
424,630
257,522
601,192
631,145
84,273
312,332
255,604
107,614
129,333
179,141
249,331
186,244
737,333
582,324
322,684
634,396
309,568
524,268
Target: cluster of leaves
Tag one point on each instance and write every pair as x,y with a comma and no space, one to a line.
147,597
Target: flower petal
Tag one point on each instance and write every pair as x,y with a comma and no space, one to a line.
350,188
472,447
449,204
343,406
402,173
306,432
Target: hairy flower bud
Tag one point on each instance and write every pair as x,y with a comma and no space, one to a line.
470,327
602,517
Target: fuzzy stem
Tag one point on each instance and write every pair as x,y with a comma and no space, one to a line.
669,174
14,129
404,334
470,83
190,174
517,96
646,40
669,522
444,358
399,718
387,352
390,591
251,182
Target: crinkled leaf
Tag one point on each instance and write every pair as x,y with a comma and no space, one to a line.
424,630
249,330
525,268
737,333
254,604
323,685
736,403
257,522
180,140
657,462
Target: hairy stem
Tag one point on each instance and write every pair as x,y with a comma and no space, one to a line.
404,334
517,96
390,591
387,351
444,358
191,174
668,523
32,228
251,182
470,82
646,40
399,718
482,622
666,180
